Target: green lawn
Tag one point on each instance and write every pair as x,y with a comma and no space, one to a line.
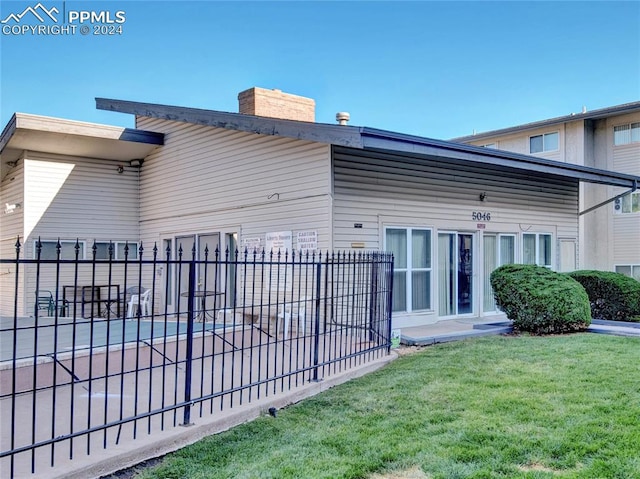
497,407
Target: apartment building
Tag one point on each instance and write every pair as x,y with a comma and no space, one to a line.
607,138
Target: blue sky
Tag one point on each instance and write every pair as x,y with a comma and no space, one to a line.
436,69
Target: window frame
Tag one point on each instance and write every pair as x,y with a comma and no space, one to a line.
631,126
133,246
621,203
632,269
54,243
537,236
544,147
409,269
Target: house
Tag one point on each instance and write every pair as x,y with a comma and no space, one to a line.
450,212
607,138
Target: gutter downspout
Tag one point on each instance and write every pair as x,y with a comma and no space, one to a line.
633,189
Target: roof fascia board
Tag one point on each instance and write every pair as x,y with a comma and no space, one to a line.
381,140
45,124
367,138
319,132
592,115
8,132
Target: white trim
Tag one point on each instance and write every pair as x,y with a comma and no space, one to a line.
409,269
544,149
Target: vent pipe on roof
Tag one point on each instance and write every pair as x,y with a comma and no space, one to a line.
342,117
584,109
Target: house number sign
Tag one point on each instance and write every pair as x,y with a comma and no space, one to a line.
481,216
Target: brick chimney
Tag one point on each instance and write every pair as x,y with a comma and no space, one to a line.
276,104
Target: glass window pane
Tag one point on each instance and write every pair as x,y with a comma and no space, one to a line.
421,245
397,244
529,249
635,132
626,270
131,254
535,144
625,203
551,142
47,250
635,272
545,250
399,300
507,250
102,250
490,263
446,274
67,251
621,135
420,290
635,202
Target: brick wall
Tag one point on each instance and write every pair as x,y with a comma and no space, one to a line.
276,104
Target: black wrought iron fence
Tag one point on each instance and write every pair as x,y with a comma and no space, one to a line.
97,352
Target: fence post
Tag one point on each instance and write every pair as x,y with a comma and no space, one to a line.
374,319
189,353
316,334
389,274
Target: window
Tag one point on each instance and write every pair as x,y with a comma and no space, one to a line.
50,251
625,134
546,142
631,270
411,248
536,249
498,250
102,250
628,204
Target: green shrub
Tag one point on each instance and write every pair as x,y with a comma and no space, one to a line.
613,296
539,300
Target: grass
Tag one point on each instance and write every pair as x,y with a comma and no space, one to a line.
499,407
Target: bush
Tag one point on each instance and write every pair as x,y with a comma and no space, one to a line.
539,300
613,296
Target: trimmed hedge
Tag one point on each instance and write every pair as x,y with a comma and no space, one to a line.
613,296
539,300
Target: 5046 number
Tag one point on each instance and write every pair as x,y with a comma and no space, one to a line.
480,216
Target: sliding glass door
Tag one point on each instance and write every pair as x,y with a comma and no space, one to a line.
455,274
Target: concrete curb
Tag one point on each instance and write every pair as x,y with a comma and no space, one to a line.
484,330
104,462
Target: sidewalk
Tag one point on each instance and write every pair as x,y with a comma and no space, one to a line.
458,329
452,330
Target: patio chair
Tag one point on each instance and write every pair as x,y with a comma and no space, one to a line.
45,301
295,310
139,300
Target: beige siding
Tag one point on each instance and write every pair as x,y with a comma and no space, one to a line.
377,193
209,179
11,228
626,159
568,142
71,198
626,231
411,197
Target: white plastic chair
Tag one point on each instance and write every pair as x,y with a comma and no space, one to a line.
143,301
295,311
